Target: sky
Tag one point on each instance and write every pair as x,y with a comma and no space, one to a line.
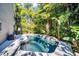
35,4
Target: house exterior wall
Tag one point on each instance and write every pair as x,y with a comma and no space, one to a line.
6,20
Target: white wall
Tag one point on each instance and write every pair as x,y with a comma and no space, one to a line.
6,19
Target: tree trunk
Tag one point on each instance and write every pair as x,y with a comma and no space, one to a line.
48,26
58,29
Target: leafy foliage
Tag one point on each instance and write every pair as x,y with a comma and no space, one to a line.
52,19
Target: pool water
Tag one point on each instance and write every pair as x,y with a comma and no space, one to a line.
39,44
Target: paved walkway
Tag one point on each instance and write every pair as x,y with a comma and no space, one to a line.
5,44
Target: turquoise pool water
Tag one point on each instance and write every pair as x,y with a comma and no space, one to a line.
39,44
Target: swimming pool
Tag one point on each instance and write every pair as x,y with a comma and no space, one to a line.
37,43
